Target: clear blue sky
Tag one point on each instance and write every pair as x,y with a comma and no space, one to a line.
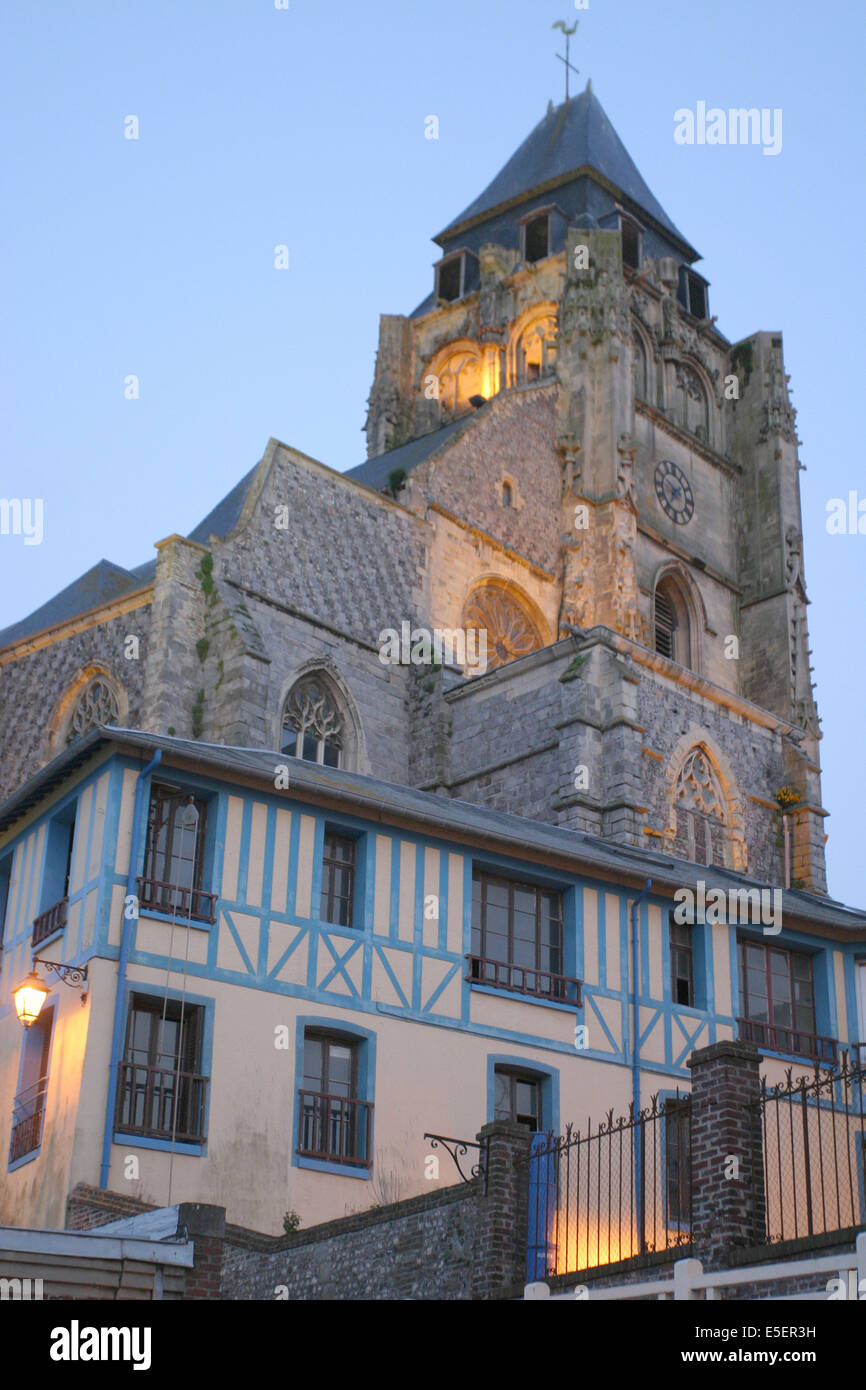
261,126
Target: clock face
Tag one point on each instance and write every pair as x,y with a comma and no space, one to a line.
674,492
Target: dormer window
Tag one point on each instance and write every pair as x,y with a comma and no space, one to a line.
536,238
695,295
630,243
507,497
449,278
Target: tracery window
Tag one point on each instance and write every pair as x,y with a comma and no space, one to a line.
701,814
510,630
694,406
459,379
536,350
97,704
313,727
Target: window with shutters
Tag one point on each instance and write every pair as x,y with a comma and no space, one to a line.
672,630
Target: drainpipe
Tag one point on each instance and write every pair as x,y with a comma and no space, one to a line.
635,1059
129,924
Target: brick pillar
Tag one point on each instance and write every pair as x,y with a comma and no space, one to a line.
206,1227
499,1256
728,1212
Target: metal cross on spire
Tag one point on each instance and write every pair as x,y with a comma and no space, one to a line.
560,24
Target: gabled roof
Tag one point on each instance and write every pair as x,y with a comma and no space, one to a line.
376,471
574,137
106,580
226,514
440,815
100,584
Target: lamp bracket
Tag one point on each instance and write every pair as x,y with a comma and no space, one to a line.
72,975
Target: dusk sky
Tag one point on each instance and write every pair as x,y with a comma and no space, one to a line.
305,127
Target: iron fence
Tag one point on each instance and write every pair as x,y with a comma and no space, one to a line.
814,1150
621,1189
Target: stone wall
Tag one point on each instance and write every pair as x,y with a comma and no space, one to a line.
33,685
418,1249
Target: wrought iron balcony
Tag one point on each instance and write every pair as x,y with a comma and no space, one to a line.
790,1040
523,979
335,1129
160,1103
28,1108
49,921
174,900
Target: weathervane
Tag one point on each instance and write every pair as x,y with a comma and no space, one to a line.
568,33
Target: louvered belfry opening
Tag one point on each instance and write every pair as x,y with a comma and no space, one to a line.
666,625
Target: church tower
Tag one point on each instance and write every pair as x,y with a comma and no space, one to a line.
601,466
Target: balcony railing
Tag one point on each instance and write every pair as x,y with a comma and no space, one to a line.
161,1104
523,979
180,902
335,1129
790,1040
49,921
28,1107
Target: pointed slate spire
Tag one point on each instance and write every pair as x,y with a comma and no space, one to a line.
573,139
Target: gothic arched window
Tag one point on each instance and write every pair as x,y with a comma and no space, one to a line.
536,350
694,405
312,725
458,378
97,704
672,630
639,368
510,631
701,813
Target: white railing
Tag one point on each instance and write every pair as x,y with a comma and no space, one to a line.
691,1281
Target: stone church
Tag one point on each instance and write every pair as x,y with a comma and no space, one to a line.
564,452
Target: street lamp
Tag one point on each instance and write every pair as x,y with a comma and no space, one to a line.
29,998
32,993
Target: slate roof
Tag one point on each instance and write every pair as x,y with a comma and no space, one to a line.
576,135
100,584
441,815
374,473
106,580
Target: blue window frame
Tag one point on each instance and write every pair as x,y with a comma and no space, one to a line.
334,1097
